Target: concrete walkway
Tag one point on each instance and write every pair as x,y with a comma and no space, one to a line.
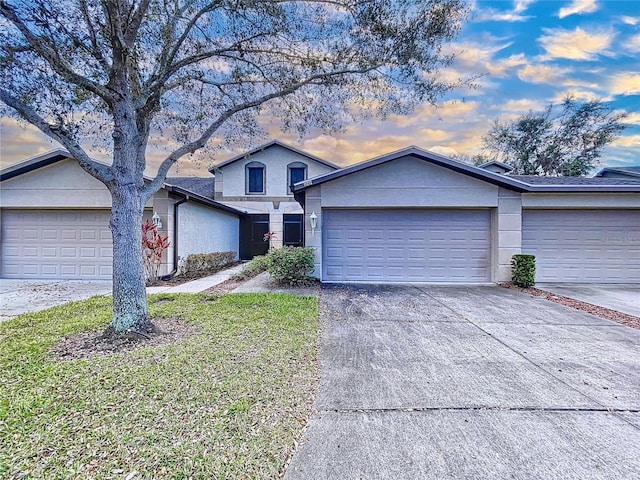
199,285
446,382
24,296
623,298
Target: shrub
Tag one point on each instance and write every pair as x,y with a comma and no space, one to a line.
198,264
290,265
153,246
523,270
258,265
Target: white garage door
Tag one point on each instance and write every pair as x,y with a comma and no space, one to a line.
585,246
56,244
406,245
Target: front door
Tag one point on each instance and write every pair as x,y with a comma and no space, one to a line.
293,230
252,231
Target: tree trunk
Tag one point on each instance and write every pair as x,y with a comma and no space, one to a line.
130,311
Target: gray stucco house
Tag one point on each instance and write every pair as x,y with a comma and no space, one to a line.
259,183
408,216
414,216
54,220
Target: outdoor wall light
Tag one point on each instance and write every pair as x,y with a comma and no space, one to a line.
313,220
156,220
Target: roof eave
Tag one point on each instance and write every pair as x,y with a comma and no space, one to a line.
189,195
272,143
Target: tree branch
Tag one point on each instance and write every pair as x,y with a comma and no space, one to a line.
51,56
153,186
95,169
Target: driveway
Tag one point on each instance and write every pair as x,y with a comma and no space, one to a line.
623,298
445,382
24,296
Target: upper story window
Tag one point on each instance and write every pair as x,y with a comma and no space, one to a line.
255,178
296,172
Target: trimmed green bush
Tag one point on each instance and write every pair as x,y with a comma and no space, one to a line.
199,264
523,270
259,264
290,265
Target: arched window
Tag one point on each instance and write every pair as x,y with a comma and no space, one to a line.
296,172
255,178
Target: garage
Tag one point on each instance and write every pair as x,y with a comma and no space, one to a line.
406,245
56,244
583,246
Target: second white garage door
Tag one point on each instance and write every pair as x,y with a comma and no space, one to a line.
56,244
406,245
583,246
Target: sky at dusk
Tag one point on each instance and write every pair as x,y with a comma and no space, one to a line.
528,53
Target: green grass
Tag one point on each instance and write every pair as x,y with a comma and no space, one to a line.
226,403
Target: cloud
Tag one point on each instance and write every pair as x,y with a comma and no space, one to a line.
542,74
443,150
521,5
521,106
625,84
576,94
633,44
627,141
633,118
627,20
502,66
494,15
578,7
436,135
575,45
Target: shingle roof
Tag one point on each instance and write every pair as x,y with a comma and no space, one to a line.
203,186
633,171
517,183
539,180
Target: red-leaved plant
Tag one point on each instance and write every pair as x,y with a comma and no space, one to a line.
153,246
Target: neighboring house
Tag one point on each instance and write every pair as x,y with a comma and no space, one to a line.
415,216
620,172
259,182
54,220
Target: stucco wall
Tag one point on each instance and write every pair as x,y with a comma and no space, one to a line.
276,160
408,181
581,200
205,230
63,184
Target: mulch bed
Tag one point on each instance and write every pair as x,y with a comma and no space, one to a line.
96,343
607,313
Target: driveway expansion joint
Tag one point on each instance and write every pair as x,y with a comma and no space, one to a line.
479,408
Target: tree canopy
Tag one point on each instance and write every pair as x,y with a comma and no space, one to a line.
179,72
561,140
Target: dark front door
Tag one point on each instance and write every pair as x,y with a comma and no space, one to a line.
293,230
252,230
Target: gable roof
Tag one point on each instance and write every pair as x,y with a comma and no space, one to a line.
34,163
190,188
270,144
512,182
502,166
626,171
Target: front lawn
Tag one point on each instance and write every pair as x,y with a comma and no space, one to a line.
228,402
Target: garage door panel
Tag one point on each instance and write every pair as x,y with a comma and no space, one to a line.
585,246
56,244
410,245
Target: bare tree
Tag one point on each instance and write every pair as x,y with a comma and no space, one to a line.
567,140
192,69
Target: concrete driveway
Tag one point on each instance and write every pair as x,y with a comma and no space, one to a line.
445,382
24,296
623,298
